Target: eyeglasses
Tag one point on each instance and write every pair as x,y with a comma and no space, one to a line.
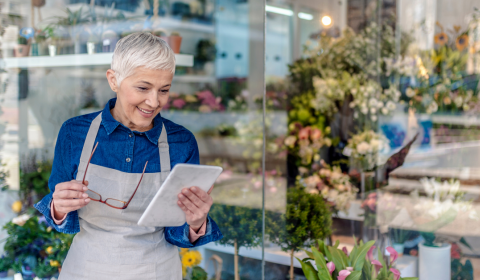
112,202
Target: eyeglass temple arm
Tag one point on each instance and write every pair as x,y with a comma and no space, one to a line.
137,185
88,163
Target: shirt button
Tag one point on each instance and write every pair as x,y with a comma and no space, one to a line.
130,135
128,159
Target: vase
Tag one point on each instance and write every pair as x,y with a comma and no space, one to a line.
370,233
90,47
175,42
399,247
52,50
21,50
367,182
434,262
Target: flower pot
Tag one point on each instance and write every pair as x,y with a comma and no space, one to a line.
21,50
175,42
90,47
434,262
399,247
52,50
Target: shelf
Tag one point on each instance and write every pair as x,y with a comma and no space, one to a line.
72,60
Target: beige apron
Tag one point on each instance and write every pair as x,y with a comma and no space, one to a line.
110,244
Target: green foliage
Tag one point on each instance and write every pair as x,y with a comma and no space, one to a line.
362,268
198,274
462,271
238,223
34,181
6,263
36,244
44,269
307,218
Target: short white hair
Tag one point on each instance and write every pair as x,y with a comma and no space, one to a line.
141,49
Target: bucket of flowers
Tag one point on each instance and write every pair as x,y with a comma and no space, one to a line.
190,261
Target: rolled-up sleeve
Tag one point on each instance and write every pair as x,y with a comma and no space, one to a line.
60,173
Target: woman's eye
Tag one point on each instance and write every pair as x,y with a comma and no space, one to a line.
165,90
142,88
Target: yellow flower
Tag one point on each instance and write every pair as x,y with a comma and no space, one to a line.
49,229
447,100
183,251
462,42
190,98
441,38
49,250
17,206
54,263
191,258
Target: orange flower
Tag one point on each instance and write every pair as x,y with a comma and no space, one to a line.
461,42
441,38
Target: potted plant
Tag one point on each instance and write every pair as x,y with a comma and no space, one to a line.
307,218
22,48
399,237
240,226
175,41
6,263
359,264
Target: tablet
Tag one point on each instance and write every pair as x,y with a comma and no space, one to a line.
163,210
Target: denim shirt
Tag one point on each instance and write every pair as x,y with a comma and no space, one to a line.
117,143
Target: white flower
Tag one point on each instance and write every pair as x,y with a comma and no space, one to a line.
373,102
410,92
433,107
458,101
373,110
384,111
376,144
374,118
391,106
380,104
364,110
363,148
466,107
21,220
290,140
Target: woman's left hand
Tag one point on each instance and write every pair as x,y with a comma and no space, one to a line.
196,204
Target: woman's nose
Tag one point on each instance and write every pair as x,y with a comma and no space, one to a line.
152,100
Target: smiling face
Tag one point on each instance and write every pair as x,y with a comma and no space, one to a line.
140,97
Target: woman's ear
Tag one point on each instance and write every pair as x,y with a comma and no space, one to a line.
112,80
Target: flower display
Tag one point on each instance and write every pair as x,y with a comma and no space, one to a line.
202,101
364,148
333,264
333,185
306,142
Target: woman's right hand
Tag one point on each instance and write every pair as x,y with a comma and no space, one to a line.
68,197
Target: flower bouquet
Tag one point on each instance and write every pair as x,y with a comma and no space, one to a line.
360,264
333,185
364,148
306,142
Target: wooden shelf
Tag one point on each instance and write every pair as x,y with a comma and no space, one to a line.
73,60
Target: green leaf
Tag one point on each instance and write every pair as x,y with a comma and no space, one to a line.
355,275
359,260
384,270
336,244
464,242
308,270
309,254
337,259
323,272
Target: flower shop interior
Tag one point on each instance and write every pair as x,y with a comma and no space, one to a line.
348,130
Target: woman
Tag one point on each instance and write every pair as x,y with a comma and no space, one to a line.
100,192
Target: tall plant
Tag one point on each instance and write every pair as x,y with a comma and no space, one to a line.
240,226
307,218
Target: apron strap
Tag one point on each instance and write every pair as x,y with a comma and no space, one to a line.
88,145
164,152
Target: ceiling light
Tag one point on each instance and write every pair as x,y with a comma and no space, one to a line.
277,10
305,16
326,20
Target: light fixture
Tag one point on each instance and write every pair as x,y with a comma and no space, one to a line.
278,10
305,16
326,20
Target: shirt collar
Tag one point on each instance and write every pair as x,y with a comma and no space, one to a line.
110,124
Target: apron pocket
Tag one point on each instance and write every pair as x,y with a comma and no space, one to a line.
99,271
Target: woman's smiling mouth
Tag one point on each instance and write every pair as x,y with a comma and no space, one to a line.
145,113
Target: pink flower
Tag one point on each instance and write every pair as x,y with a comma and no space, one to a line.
393,254
396,273
369,255
350,268
178,103
344,249
342,275
331,267
315,134
377,265
303,133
